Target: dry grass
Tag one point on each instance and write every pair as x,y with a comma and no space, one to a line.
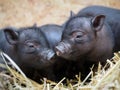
103,80
27,12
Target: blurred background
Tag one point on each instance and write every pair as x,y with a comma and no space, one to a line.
22,13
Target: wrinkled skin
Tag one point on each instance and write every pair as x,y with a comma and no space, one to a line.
93,35
25,47
52,34
61,67
112,19
32,48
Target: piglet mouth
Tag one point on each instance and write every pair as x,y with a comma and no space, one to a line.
63,48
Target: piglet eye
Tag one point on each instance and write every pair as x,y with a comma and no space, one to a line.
78,36
30,45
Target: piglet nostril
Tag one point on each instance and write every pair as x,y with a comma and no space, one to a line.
59,51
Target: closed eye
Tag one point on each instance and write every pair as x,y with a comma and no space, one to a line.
32,43
78,36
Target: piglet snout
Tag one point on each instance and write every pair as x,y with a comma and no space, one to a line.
62,48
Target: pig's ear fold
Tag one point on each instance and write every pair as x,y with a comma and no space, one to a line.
11,35
97,22
35,25
72,14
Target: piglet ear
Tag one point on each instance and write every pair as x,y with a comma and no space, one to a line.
11,35
98,21
35,25
72,14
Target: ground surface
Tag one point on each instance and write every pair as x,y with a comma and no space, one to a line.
21,13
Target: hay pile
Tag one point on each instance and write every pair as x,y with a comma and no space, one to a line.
24,13
109,79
